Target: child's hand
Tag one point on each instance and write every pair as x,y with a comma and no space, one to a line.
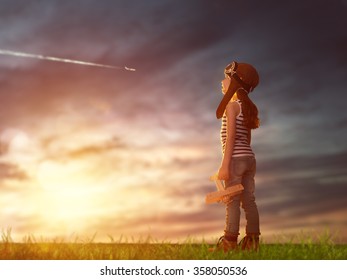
223,173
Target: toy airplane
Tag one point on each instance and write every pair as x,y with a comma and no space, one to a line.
222,193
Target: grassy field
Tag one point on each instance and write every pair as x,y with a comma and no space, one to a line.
72,251
306,249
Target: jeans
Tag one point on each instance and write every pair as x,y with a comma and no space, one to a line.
242,171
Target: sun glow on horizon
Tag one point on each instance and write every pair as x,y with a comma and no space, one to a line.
89,181
68,194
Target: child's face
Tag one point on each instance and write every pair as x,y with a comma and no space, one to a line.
225,85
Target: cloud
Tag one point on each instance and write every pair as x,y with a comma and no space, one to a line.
299,190
10,171
98,150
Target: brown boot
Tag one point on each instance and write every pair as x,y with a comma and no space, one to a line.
250,242
229,245
225,245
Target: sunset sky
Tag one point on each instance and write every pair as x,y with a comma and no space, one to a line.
87,150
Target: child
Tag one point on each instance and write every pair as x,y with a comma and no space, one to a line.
239,115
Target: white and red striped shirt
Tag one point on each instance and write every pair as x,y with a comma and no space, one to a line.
241,146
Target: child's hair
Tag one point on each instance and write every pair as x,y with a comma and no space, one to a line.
249,110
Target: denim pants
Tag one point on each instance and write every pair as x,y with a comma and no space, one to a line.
242,171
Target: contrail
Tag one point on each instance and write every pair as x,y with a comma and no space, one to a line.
51,58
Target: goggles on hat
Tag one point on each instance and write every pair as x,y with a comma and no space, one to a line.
230,72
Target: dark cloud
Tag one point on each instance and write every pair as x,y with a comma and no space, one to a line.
302,198
323,164
300,188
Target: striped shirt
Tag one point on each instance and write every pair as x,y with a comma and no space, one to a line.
241,146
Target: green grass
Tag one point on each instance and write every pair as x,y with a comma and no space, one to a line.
298,248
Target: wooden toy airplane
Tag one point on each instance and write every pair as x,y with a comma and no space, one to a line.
222,193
